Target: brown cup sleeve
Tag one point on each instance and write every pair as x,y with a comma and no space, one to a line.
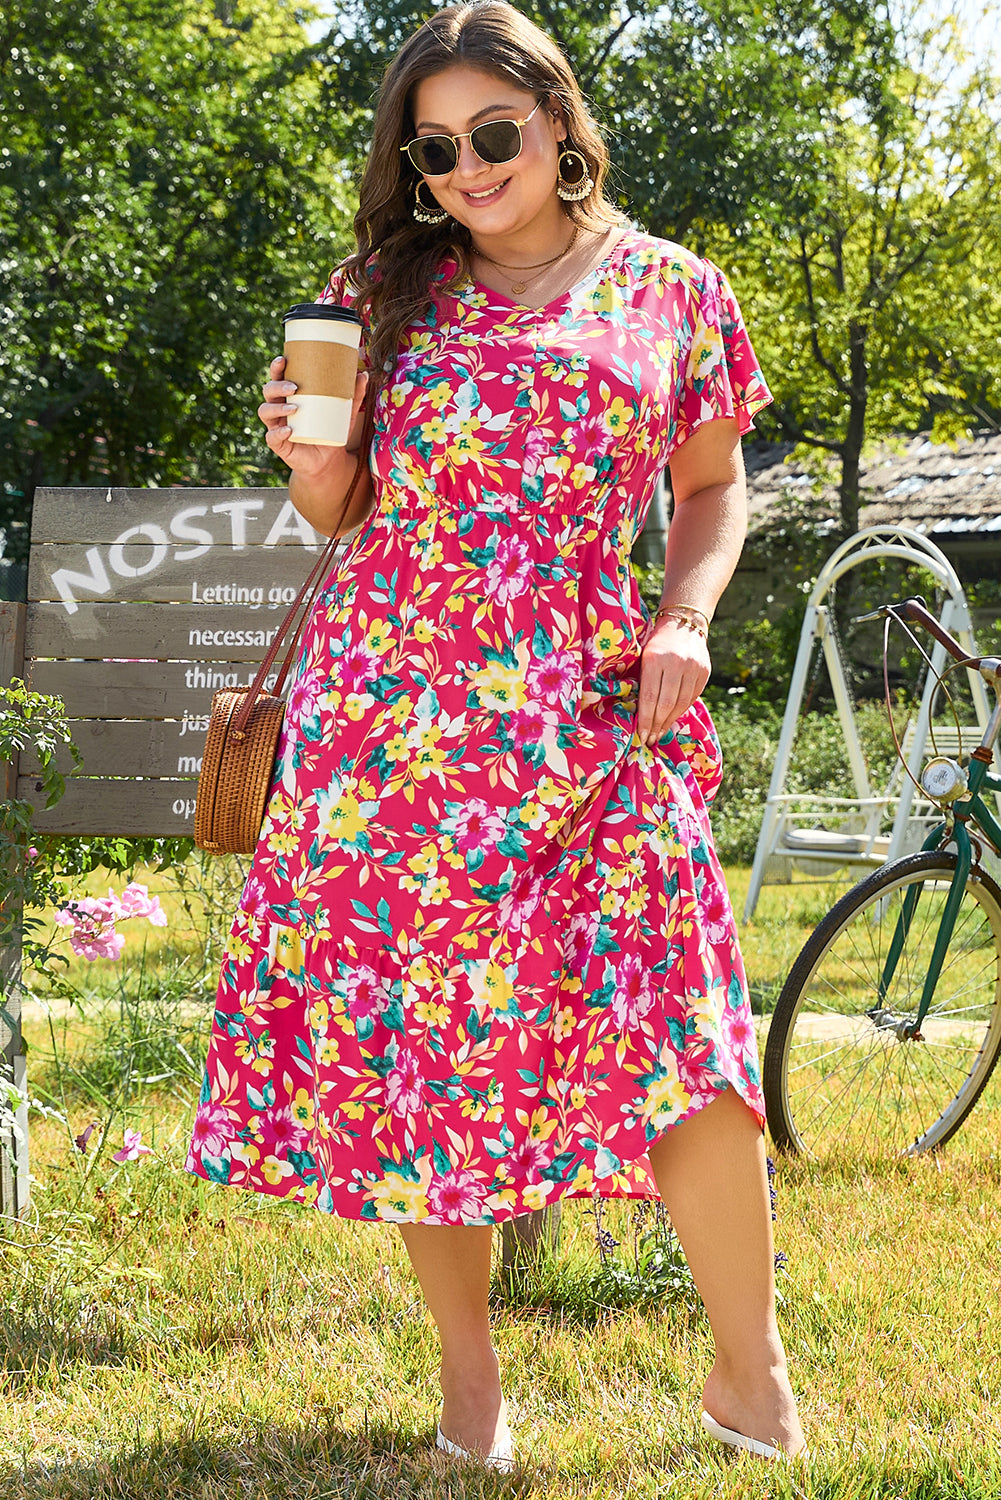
321,369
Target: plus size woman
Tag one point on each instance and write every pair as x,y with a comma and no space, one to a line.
485,956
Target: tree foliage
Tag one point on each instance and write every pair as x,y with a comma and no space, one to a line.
166,186
876,308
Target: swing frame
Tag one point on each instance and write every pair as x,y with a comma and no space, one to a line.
786,842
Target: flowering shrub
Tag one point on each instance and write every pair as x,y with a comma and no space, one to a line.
93,920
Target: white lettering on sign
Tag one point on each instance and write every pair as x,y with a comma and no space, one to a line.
231,637
183,807
163,537
157,538
228,593
189,765
194,723
212,677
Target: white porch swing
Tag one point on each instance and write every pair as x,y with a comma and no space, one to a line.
794,835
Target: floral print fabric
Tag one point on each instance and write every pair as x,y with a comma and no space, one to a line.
485,954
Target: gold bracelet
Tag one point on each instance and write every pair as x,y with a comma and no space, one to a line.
685,614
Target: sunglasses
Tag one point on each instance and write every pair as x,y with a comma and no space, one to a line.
495,142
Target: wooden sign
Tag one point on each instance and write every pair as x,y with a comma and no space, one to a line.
141,603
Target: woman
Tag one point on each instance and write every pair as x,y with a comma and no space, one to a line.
485,956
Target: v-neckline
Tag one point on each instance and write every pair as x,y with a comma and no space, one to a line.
603,265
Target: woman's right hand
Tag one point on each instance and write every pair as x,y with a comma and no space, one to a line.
311,460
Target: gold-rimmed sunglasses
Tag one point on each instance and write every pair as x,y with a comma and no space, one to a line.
495,142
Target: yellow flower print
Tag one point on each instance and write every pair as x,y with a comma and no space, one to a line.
540,1124
238,948
397,748
276,1171
288,950
611,903
665,1099
706,351
356,705
429,756
431,555
343,818
436,891
283,840
401,709
463,449
438,395
424,631
636,901
425,861
536,1194
499,687
578,1097
397,1198
456,603
564,1023
303,1108
608,638
532,814
435,430
432,1013
378,638
319,1015
353,1108
245,1152
491,985
617,877
617,416
327,1051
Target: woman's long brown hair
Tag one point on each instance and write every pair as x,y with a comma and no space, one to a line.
494,37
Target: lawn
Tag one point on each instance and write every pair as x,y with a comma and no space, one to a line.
163,1337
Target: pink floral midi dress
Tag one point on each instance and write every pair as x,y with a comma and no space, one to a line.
485,954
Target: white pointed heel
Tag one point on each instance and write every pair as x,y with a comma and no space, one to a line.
734,1439
501,1457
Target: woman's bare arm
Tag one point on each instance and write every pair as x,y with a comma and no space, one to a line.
703,546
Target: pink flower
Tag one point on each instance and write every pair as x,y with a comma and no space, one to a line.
133,1147
476,825
528,724
738,1028
280,1131
515,908
633,996
507,573
404,1085
211,1129
303,696
32,853
537,446
255,897
92,919
552,677
528,1159
358,667
579,942
368,994
137,902
455,1196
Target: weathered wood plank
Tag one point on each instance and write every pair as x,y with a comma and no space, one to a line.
169,632
136,690
149,747
12,627
153,809
78,574
228,517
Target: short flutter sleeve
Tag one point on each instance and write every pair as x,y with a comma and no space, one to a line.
722,377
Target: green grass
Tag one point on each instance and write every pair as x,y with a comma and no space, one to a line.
163,1337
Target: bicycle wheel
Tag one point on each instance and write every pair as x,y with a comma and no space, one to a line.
841,1074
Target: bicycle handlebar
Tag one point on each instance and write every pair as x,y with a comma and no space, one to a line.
917,611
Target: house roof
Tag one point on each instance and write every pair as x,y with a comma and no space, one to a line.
944,491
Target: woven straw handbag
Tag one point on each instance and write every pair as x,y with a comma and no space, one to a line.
245,722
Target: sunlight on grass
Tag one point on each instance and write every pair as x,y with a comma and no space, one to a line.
163,1337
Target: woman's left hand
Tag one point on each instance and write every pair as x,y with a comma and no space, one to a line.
674,668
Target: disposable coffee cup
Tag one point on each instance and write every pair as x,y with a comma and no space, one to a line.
321,357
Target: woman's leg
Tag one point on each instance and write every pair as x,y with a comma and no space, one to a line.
711,1172
453,1268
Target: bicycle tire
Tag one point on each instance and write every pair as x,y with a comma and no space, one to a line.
839,1073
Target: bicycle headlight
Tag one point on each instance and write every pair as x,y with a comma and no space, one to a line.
943,779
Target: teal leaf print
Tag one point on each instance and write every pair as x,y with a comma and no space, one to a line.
440,1159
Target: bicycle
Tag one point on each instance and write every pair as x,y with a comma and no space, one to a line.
888,1027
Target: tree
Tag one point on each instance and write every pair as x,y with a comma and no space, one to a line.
875,311
167,186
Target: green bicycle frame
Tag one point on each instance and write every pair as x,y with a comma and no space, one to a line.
966,809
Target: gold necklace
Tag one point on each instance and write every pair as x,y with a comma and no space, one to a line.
522,284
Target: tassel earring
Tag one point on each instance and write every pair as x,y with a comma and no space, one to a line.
579,183
422,213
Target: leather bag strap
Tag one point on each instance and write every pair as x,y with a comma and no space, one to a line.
307,593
